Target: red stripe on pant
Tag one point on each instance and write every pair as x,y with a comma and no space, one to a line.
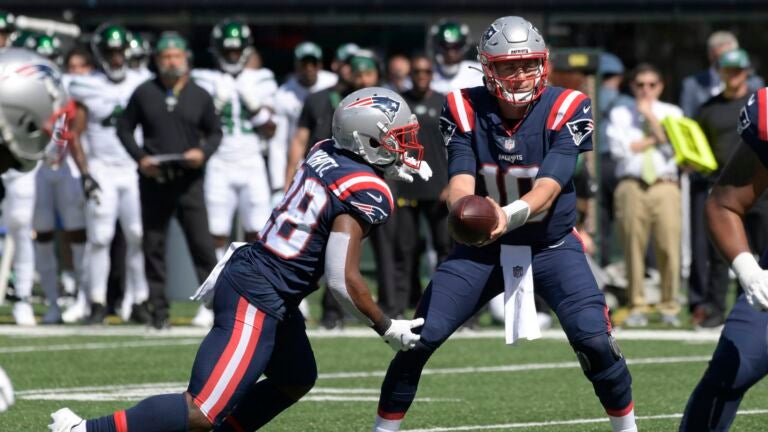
121,423
621,412
242,366
390,416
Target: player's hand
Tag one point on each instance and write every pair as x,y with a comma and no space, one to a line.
149,167
194,158
501,224
267,130
91,188
756,289
397,173
400,337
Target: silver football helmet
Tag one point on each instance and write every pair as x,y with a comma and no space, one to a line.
514,40
32,99
376,124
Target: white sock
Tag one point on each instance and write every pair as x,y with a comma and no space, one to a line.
625,423
47,266
24,261
98,271
384,425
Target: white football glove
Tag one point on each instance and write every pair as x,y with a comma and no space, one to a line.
6,391
405,173
753,279
399,335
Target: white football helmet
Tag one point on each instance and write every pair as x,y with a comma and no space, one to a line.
514,39
32,101
376,124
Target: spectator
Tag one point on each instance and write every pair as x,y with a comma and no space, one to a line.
398,70
709,271
7,27
420,198
340,63
177,118
647,198
611,71
450,42
701,86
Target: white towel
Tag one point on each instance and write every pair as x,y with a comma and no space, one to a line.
520,321
205,292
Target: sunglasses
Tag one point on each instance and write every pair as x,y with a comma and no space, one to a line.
422,71
649,84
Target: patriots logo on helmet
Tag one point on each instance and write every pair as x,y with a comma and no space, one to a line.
489,33
40,71
580,129
374,213
388,106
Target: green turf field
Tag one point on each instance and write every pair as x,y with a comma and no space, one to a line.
473,383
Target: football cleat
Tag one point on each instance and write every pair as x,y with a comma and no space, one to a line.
64,420
98,315
23,314
204,317
78,311
6,391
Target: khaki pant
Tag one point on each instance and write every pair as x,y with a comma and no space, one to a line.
643,211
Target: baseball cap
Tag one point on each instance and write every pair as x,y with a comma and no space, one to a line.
737,58
170,40
345,51
363,60
307,49
610,64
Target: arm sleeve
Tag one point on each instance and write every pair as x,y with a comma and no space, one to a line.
210,125
126,124
461,156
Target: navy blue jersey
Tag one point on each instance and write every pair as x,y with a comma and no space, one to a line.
506,159
753,124
286,263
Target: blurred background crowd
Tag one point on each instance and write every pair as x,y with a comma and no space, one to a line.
140,209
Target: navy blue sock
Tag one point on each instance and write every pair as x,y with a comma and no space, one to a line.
162,413
262,403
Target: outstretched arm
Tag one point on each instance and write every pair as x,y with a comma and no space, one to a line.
342,271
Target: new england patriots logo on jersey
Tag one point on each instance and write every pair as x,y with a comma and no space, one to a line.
580,129
388,106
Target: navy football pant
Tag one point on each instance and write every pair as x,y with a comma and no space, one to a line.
740,360
471,276
243,344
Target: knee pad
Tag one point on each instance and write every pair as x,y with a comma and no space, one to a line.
100,235
134,234
598,353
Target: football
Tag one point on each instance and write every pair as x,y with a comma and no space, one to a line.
472,219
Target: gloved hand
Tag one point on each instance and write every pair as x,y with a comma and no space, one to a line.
91,188
400,337
405,173
753,279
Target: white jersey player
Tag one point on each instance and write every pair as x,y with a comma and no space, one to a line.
309,77
450,42
109,176
18,209
236,177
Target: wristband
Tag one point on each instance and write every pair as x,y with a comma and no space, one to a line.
517,214
382,325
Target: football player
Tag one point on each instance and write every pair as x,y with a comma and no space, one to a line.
741,357
516,141
108,174
30,93
336,198
450,43
236,176
138,54
48,46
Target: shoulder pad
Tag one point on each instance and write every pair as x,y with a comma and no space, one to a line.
563,108
82,87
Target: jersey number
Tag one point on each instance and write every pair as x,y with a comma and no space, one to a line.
111,121
228,120
291,226
505,187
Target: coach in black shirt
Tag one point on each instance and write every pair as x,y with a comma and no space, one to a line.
181,131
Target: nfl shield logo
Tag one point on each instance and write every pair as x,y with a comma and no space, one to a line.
509,144
517,271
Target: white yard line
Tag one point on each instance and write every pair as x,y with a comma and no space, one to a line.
353,332
508,426
98,346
